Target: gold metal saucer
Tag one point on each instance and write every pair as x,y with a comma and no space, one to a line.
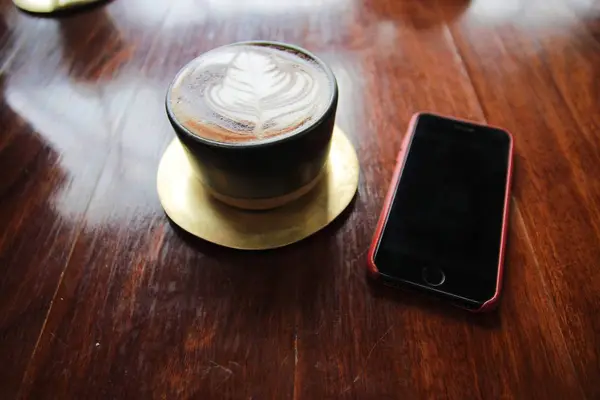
188,204
50,6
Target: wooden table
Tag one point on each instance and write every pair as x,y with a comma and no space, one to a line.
101,298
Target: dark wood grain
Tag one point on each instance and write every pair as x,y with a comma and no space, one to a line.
41,166
550,100
103,298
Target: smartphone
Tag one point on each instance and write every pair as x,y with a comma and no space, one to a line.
443,225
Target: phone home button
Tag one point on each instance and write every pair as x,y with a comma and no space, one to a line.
433,276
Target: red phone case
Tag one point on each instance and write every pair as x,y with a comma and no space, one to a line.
372,268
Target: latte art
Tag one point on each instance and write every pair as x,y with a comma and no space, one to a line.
250,92
264,92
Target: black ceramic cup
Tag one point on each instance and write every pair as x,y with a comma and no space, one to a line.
265,173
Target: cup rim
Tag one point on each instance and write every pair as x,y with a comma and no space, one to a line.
178,126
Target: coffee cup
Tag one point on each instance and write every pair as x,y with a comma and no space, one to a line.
255,120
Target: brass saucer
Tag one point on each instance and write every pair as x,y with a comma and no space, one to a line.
188,204
50,6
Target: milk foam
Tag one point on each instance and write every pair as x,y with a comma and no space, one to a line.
250,92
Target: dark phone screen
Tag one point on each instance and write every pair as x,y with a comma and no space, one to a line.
447,212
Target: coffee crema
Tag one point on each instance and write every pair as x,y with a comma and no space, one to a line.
250,92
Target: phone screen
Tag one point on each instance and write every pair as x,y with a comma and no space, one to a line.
444,227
